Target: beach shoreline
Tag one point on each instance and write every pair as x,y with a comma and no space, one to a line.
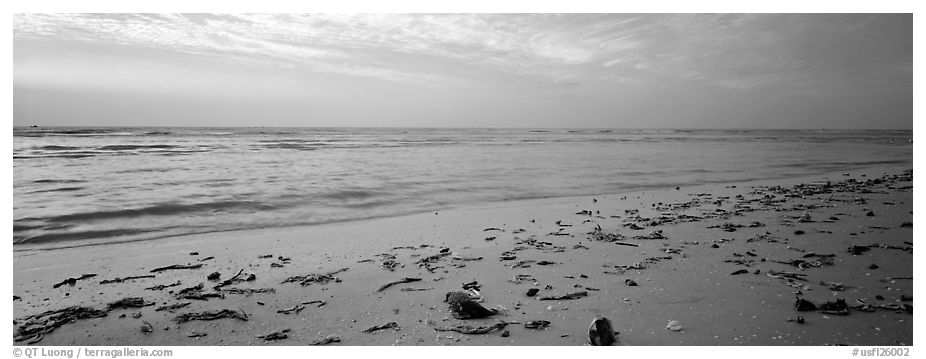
684,278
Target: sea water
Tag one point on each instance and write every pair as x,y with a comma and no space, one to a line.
77,186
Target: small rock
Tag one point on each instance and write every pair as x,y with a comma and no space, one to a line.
601,333
873,266
630,283
214,276
505,334
870,214
532,292
906,298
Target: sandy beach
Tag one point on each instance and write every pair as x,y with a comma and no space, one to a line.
721,264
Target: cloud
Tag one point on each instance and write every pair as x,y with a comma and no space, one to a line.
732,51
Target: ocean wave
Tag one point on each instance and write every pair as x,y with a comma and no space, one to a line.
62,236
162,209
133,147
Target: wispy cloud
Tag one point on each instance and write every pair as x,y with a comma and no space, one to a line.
737,51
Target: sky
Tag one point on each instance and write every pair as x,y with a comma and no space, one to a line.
465,70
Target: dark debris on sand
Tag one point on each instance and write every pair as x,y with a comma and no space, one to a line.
33,328
316,278
212,315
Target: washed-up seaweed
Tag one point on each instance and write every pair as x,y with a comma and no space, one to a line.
786,275
602,236
120,280
73,281
129,302
237,278
212,315
468,329
315,278
196,292
172,307
463,306
163,286
33,328
248,291
657,234
278,335
429,261
462,258
400,281
196,334
573,295
376,328
767,237
176,266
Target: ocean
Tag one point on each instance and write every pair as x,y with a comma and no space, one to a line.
82,186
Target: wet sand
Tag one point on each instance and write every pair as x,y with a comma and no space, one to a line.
787,242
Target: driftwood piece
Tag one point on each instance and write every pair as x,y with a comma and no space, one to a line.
163,286
212,315
400,281
120,280
537,324
376,328
318,303
626,244
573,295
73,281
294,309
176,266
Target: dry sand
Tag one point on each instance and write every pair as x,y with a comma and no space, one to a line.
682,278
